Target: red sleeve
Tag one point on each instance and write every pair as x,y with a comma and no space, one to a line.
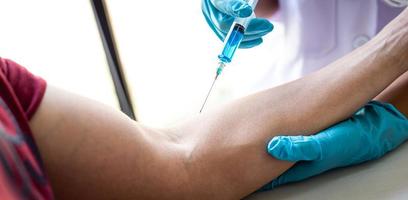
28,88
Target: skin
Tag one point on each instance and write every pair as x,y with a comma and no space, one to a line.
394,94
397,94
91,151
266,8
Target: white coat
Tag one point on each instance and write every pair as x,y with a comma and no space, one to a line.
317,32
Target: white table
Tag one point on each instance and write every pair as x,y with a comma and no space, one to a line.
386,178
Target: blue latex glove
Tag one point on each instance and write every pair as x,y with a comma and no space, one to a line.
374,130
220,15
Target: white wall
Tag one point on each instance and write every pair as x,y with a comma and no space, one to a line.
170,57
59,41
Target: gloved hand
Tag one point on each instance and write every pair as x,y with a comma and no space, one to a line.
374,130
220,15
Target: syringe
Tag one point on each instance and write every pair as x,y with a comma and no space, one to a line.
231,44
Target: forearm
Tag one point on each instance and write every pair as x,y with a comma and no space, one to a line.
229,143
397,94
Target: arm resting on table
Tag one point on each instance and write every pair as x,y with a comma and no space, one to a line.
93,152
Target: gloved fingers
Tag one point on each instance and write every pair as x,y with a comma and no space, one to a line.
258,27
389,107
268,186
235,8
250,44
218,21
212,21
371,132
388,119
252,37
295,148
298,172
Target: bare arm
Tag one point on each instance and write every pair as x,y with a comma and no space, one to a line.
93,152
304,106
397,94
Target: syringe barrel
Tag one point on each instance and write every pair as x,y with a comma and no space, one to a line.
235,35
245,21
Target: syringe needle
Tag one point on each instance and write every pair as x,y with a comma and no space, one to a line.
219,71
209,92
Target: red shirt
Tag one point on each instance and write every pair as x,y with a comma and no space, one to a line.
21,172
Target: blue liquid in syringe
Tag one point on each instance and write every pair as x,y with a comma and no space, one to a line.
233,41
231,44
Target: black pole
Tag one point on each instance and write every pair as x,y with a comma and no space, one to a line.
115,67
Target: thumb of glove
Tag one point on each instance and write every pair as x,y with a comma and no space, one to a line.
295,148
